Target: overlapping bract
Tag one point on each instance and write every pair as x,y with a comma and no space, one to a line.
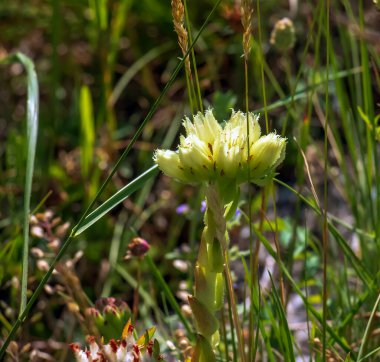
212,153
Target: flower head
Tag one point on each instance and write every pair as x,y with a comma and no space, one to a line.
126,349
229,154
109,312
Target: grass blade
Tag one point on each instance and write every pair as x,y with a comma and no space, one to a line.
87,130
31,144
342,342
303,93
366,335
283,324
116,199
361,270
376,350
32,132
134,69
166,290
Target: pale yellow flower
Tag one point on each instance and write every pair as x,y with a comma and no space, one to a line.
212,153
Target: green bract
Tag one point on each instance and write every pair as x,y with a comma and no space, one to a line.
212,153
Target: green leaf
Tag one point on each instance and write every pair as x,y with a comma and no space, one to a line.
116,199
287,338
206,322
364,118
156,349
145,338
87,130
31,140
373,352
367,332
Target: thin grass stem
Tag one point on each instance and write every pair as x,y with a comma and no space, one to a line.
224,334
231,315
325,235
193,60
251,252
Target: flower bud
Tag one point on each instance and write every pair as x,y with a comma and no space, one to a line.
138,247
110,315
283,35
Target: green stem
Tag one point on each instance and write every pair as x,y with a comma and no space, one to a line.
224,334
189,91
136,292
325,225
193,59
262,68
234,350
215,204
251,251
234,306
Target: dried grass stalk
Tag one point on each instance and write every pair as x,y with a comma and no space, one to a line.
178,13
246,20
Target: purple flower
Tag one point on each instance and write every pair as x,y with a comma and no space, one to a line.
182,209
203,206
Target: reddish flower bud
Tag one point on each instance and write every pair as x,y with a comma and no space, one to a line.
138,247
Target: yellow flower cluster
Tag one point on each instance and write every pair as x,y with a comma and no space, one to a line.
212,153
